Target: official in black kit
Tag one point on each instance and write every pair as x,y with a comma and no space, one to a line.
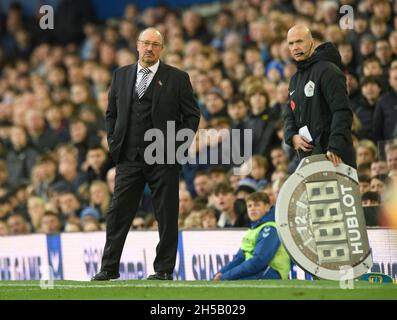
143,96
318,99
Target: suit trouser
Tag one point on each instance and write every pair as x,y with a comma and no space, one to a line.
163,180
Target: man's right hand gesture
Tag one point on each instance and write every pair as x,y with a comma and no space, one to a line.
301,143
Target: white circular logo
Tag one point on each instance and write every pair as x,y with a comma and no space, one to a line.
309,89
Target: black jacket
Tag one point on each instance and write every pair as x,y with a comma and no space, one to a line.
47,141
173,100
318,98
264,134
20,164
365,113
385,117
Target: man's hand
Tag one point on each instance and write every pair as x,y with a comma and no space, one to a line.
300,142
218,276
336,160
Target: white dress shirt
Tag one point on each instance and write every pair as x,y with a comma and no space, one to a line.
150,76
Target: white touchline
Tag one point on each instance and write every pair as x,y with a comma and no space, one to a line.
182,285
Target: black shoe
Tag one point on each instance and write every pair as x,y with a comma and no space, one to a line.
105,276
160,276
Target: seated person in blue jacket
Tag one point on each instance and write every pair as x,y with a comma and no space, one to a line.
261,255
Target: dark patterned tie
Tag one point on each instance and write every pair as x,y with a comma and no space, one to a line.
141,88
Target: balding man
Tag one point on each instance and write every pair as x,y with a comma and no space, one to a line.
318,99
144,96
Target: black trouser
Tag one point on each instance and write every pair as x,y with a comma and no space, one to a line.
163,181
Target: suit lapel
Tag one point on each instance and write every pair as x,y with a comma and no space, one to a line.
159,82
131,76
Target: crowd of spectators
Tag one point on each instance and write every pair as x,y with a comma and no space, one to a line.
55,171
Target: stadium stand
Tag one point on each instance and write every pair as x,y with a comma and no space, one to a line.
54,157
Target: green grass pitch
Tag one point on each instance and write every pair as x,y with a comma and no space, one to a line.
195,290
